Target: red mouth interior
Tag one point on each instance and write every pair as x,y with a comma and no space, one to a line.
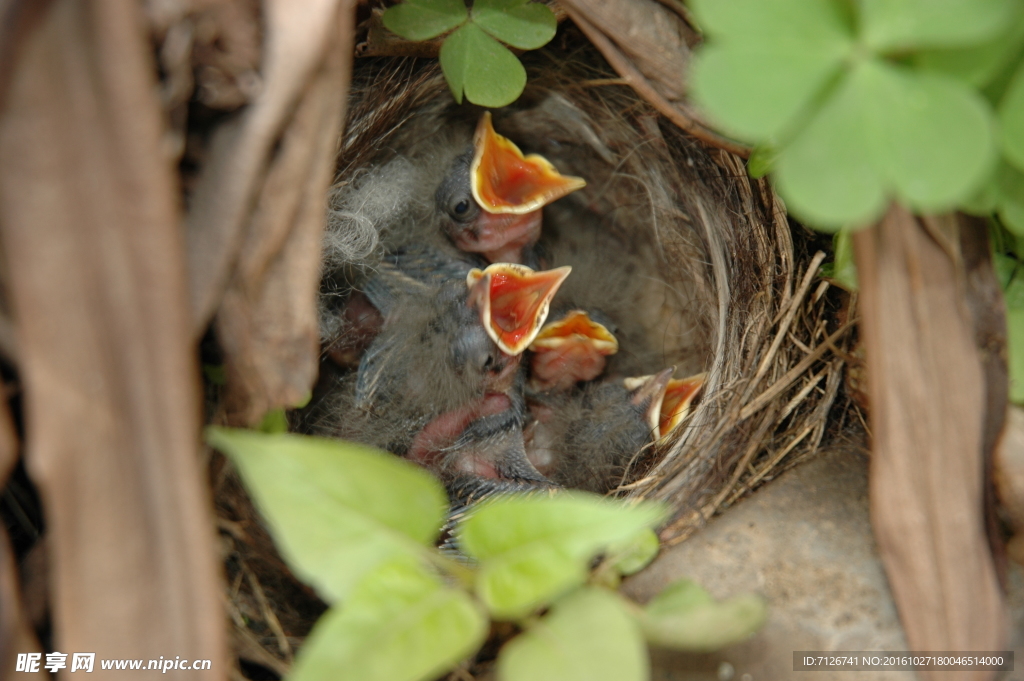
677,397
515,305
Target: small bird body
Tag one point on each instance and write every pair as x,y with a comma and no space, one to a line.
435,385
587,439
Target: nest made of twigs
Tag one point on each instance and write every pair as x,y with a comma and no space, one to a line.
727,292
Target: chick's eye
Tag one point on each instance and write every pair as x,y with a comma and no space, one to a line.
462,207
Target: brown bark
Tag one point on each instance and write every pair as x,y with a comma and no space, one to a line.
267,322
299,33
94,256
927,388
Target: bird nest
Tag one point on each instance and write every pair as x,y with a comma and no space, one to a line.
699,257
695,260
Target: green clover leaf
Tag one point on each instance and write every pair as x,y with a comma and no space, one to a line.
425,19
522,24
477,65
853,121
981,64
906,24
767,61
1011,117
1009,197
924,137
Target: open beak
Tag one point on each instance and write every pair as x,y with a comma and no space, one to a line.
649,392
504,181
676,405
570,350
513,301
576,326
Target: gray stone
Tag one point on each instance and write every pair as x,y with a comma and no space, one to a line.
803,542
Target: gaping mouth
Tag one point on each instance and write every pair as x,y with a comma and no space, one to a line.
569,350
513,301
504,181
671,399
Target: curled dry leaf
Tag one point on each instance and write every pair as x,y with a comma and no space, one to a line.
926,470
108,362
256,217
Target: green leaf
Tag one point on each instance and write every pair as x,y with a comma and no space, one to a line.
685,616
336,510
1012,216
477,65
762,160
789,25
1009,190
984,201
274,421
979,65
766,62
1011,117
638,552
1014,293
753,94
888,25
424,19
1015,350
925,137
932,136
1006,267
826,174
522,24
586,637
532,549
400,624
1009,182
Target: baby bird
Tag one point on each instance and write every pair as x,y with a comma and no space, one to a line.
586,440
570,350
675,402
435,386
491,197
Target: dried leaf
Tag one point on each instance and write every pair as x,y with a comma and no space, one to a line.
108,359
267,323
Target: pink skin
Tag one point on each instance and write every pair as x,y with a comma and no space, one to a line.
428,444
562,367
364,323
501,237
